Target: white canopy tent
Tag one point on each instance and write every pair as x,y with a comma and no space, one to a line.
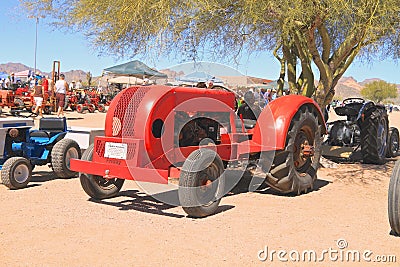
126,80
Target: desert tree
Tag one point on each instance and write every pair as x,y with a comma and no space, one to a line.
314,41
379,91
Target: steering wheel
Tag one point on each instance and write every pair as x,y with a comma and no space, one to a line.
352,100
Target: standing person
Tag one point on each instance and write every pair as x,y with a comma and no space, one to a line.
61,90
72,85
7,83
248,110
38,93
13,81
45,85
78,85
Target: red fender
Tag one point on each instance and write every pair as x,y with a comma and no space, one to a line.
274,121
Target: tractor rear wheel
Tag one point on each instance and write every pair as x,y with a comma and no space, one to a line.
96,186
394,199
393,144
295,168
201,183
79,108
16,173
374,136
61,154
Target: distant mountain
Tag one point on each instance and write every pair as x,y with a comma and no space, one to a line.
72,75
350,87
346,87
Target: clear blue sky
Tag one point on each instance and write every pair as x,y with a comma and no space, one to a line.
18,42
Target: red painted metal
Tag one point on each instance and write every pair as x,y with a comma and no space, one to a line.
274,121
133,113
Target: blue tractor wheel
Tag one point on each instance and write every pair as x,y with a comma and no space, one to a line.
16,172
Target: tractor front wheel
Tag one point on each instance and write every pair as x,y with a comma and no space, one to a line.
95,186
294,169
394,199
201,183
79,108
16,173
61,154
393,145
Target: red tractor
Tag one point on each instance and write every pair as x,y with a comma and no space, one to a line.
90,101
150,131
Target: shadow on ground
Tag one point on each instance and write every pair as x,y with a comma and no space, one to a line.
140,201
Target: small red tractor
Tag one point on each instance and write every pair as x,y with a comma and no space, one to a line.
89,100
150,131
9,98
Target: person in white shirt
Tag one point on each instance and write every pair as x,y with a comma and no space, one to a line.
78,84
60,90
7,83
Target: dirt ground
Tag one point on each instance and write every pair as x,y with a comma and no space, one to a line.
54,223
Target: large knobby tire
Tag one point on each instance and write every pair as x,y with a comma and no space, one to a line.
393,144
394,199
201,183
374,136
96,186
16,173
61,154
294,169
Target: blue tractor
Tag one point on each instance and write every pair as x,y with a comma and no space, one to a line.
24,148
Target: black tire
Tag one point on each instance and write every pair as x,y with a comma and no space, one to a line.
62,152
292,171
394,199
16,173
47,110
96,186
91,108
393,144
19,103
374,136
33,107
101,108
79,108
201,183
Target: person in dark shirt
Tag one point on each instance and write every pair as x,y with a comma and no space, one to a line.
248,110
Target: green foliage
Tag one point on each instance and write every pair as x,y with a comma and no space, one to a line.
328,34
379,91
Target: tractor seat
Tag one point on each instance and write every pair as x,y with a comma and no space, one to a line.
249,124
346,111
48,127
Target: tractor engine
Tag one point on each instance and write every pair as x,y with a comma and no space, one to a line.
343,133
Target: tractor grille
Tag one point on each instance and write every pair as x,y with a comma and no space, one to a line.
101,144
124,116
